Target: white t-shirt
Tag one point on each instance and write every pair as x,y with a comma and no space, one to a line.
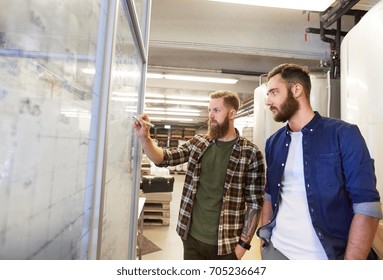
293,234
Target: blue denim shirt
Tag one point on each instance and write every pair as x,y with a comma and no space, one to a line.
339,176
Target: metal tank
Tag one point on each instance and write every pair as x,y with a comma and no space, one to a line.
361,84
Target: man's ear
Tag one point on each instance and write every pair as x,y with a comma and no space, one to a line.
232,113
297,90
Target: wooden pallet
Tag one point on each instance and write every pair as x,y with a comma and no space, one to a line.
157,213
157,222
154,214
156,205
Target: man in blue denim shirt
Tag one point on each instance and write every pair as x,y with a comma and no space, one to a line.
321,200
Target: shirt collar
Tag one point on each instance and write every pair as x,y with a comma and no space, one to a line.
311,126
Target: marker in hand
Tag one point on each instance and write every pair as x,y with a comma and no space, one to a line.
145,122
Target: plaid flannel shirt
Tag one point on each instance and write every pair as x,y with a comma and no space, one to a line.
244,186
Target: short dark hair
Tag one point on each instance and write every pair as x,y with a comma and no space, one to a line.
230,98
293,74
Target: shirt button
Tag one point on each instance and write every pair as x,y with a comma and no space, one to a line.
287,145
308,185
312,210
279,185
311,130
283,164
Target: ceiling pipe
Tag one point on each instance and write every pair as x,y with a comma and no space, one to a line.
331,32
327,18
332,14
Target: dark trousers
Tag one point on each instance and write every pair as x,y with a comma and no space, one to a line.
197,250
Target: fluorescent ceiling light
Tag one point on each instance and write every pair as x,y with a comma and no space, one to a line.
171,113
174,109
135,94
154,76
92,71
191,78
191,103
191,98
171,119
306,5
177,102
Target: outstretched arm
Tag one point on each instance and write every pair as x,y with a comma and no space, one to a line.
153,152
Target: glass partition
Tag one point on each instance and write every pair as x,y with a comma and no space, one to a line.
120,165
57,134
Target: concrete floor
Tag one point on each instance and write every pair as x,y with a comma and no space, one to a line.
167,239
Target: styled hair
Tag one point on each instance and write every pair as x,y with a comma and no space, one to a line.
230,98
293,74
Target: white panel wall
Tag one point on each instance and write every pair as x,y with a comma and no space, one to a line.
361,82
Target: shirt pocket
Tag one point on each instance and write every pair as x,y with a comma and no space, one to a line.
329,170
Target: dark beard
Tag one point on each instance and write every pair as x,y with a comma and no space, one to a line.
288,108
219,130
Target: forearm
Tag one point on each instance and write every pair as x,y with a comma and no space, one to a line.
250,225
267,212
153,152
361,236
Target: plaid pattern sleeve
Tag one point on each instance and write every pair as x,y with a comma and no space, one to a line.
244,188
